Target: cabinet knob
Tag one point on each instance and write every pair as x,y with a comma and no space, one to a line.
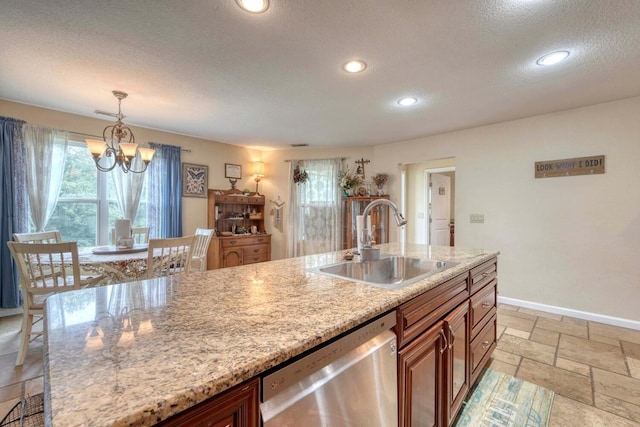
256,250
256,258
485,274
232,242
485,345
486,305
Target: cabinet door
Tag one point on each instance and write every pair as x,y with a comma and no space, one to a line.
232,257
237,407
457,329
420,379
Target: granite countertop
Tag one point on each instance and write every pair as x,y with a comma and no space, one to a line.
137,353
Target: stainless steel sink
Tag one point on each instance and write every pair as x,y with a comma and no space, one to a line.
390,272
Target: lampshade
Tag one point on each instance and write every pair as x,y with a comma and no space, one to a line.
258,169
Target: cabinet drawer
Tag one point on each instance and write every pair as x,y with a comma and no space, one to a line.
482,346
233,199
254,250
483,274
250,259
482,304
231,242
419,314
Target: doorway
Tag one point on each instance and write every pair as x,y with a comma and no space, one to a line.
440,206
416,200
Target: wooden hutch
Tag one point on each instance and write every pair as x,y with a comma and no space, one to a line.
233,215
354,206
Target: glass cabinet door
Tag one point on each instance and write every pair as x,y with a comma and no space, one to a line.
354,206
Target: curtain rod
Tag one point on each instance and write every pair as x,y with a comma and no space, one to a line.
297,160
186,150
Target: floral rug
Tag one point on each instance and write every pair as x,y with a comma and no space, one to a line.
500,400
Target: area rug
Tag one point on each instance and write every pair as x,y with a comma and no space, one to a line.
500,400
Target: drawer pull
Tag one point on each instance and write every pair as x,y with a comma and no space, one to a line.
486,305
255,251
485,274
485,345
232,242
260,240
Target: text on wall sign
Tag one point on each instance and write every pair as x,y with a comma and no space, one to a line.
570,167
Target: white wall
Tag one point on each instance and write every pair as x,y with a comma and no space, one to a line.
571,242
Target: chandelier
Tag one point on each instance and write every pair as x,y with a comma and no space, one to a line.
118,142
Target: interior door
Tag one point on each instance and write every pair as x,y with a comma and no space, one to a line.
440,212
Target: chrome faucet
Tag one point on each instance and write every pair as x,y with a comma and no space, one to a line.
366,233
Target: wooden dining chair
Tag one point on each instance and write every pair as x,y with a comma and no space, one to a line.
54,237
200,248
140,235
39,237
169,257
43,269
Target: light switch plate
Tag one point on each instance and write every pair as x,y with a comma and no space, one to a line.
476,218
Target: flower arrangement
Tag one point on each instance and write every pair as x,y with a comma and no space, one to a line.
300,176
347,180
380,179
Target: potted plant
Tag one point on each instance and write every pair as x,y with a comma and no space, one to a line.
348,181
380,179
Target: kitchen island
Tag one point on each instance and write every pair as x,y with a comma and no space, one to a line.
138,353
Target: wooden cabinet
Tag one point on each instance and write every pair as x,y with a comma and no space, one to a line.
484,297
230,211
445,337
236,407
354,206
457,372
420,366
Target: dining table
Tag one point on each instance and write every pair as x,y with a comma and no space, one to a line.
116,265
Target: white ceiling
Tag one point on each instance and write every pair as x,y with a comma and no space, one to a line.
207,69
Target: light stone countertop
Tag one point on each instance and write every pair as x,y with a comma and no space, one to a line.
186,339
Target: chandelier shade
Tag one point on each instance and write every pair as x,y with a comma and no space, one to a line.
119,143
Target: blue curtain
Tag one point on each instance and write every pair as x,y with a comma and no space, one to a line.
10,134
164,209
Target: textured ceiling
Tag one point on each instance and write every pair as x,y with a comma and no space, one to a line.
205,68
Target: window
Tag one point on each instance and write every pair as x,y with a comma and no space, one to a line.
87,206
315,210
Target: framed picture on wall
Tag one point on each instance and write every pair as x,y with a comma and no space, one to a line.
195,180
232,171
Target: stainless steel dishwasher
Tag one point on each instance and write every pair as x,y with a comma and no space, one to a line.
349,382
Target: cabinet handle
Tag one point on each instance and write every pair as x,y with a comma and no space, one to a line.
232,242
485,274
486,305
485,345
444,339
255,251
256,258
260,239
453,337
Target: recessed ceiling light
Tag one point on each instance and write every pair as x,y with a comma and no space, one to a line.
354,66
407,101
253,6
553,58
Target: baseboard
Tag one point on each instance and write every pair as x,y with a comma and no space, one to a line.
594,317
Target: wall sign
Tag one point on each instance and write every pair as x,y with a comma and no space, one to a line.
570,167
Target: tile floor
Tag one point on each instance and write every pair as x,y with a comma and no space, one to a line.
594,369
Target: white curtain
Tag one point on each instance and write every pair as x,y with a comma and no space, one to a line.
128,187
315,219
45,155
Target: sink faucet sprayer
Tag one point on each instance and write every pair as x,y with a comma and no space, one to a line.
365,236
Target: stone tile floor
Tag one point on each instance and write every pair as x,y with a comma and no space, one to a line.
593,368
